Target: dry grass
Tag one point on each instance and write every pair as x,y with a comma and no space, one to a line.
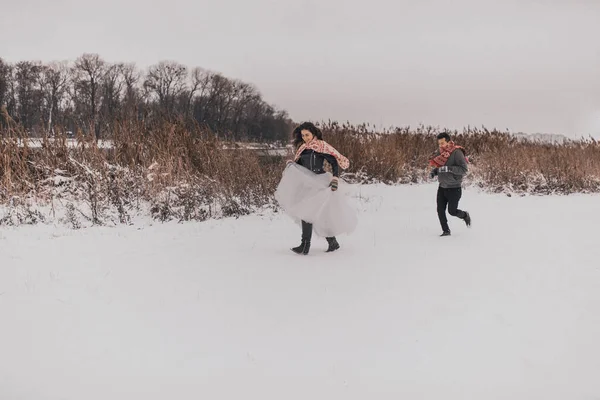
184,174
181,174
498,160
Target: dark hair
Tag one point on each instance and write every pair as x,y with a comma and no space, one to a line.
309,126
444,135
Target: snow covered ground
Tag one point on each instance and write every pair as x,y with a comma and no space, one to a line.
267,149
35,143
509,309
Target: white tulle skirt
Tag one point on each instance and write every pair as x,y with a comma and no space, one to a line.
306,196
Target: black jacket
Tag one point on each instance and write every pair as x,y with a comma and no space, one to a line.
314,161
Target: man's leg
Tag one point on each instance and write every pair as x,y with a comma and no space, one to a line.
442,202
453,196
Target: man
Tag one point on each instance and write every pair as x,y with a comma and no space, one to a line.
450,165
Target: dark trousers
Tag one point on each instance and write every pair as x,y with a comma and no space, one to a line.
449,198
307,232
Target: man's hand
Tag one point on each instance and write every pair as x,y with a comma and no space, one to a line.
433,173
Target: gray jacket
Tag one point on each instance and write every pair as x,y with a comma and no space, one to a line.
457,169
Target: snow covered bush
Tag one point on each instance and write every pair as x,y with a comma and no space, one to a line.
165,171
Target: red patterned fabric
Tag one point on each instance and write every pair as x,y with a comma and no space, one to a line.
440,160
320,146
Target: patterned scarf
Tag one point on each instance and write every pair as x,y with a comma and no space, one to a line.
320,146
441,159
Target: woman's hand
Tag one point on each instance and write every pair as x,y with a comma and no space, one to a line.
334,184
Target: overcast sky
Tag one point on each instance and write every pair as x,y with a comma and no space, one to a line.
522,65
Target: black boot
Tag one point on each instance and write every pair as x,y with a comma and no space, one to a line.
306,236
303,248
333,244
445,233
467,219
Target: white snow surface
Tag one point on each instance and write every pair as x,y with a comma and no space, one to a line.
509,309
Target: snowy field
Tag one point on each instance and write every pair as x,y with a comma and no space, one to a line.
509,309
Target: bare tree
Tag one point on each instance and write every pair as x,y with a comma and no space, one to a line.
112,92
131,96
167,80
93,95
11,92
54,81
247,95
4,77
131,77
88,71
217,91
201,101
29,93
200,80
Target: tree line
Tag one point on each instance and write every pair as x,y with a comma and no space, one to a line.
92,96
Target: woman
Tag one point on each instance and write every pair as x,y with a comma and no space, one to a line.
306,191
